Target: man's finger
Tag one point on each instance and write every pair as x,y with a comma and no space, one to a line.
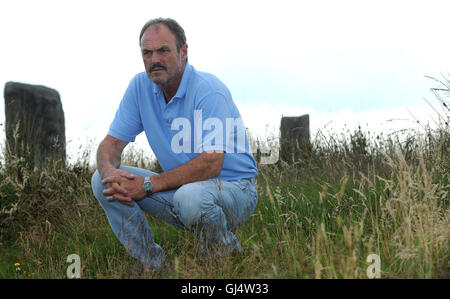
109,191
128,175
123,174
119,188
118,196
117,179
115,188
112,179
123,199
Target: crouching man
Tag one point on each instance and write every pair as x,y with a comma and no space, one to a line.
197,134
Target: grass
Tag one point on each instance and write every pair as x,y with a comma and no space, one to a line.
317,217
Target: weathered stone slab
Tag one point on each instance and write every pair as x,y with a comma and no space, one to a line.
294,137
34,123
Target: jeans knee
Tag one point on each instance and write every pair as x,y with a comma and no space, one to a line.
189,205
97,185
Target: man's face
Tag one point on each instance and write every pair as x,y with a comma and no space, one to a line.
162,61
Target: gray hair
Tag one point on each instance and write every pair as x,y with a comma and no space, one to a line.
173,26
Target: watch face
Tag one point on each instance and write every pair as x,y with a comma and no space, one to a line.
148,186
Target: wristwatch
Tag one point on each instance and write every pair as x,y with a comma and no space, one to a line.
148,186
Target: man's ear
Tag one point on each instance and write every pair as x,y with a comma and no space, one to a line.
184,51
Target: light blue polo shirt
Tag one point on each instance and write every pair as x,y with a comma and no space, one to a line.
200,117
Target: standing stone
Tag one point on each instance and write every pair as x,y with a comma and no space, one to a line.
34,125
295,138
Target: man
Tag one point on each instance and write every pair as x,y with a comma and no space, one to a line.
197,135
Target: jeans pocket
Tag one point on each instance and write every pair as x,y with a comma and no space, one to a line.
244,184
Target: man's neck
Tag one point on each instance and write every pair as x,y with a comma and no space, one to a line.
170,88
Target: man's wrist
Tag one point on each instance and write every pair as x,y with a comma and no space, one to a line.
107,171
156,183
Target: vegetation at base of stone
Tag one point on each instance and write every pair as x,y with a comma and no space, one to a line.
320,217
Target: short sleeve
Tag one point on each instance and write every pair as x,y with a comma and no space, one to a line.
222,127
127,122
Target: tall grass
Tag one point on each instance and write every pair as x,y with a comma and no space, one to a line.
319,217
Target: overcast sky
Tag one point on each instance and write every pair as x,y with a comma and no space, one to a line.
339,61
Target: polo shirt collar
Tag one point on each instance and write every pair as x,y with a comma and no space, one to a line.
188,69
184,81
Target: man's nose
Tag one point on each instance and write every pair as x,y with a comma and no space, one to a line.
156,58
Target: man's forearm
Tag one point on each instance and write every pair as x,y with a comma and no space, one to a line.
203,167
108,157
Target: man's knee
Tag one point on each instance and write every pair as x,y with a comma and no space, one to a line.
97,185
192,203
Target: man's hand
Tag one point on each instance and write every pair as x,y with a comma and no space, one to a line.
127,188
208,164
123,186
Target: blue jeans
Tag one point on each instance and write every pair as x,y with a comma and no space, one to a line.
212,209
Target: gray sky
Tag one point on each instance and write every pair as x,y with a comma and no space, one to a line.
340,61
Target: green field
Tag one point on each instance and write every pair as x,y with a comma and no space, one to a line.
320,216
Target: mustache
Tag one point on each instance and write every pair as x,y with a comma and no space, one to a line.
155,66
